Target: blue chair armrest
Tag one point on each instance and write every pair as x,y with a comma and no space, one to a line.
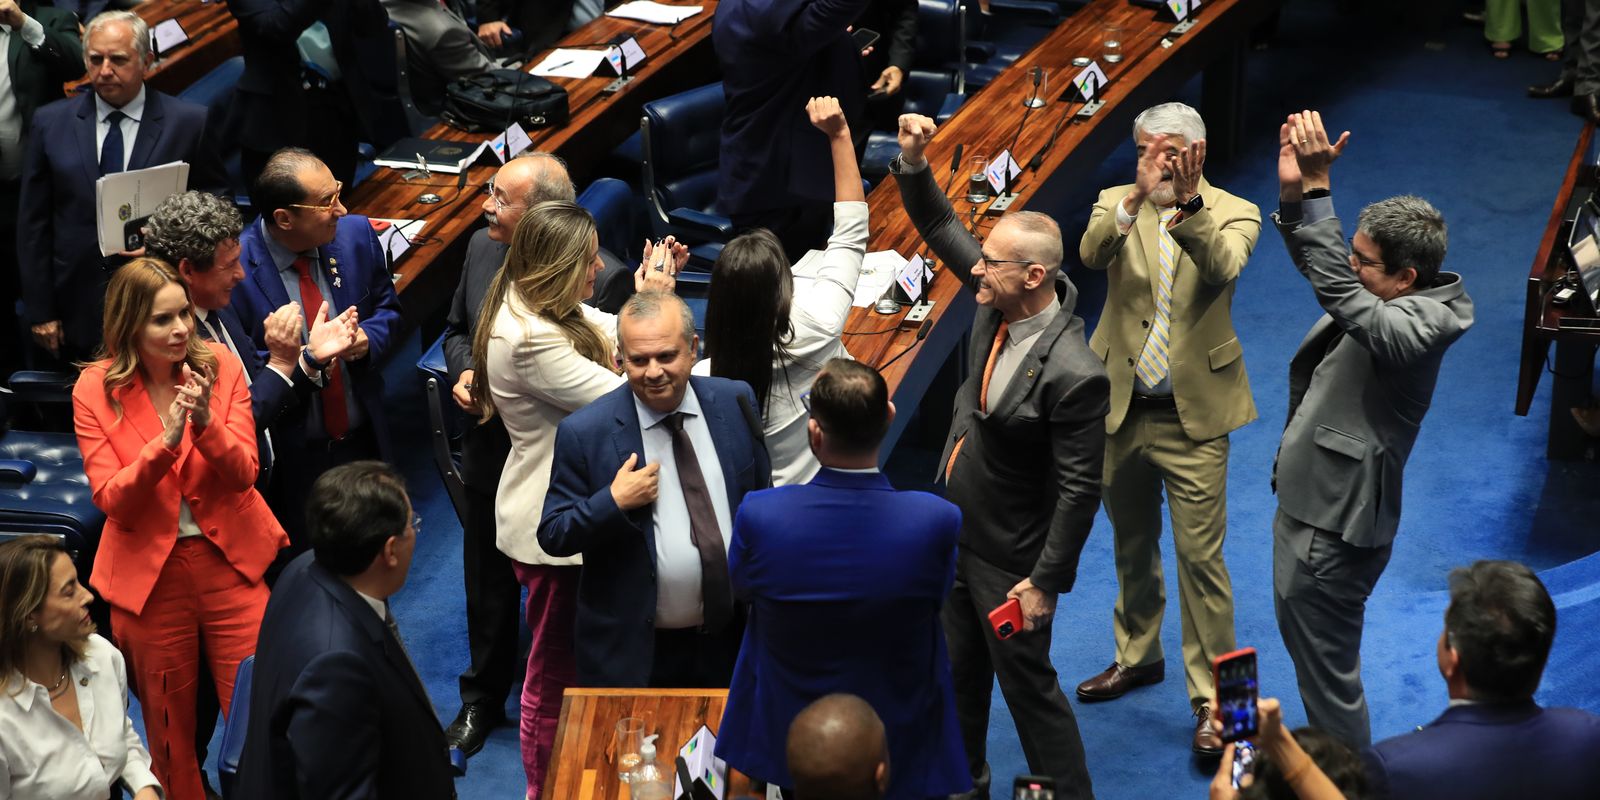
952,104
709,226
17,470
36,386
1045,10
432,363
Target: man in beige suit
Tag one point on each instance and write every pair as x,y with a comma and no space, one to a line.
1172,245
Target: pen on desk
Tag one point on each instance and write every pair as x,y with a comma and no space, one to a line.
566,63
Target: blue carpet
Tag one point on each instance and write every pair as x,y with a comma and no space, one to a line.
1442,120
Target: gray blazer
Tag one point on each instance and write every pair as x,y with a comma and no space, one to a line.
1359,385
1029,496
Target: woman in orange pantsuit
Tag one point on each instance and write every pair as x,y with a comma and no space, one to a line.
169,446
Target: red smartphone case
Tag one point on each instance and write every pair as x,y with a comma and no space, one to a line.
1007,619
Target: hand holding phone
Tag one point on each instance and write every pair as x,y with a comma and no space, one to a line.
864,38
1007,619
1237,692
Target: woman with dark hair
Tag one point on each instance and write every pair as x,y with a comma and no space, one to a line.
169,446
64,727
761,330
544,354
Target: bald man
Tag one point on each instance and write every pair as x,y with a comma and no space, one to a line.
837,750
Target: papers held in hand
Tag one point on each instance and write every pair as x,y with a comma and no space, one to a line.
123,200
429,155
650,11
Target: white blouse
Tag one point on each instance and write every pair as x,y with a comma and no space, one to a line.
44,756
818,314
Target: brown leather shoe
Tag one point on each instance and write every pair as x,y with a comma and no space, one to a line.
1561,87
1206,740
1117,680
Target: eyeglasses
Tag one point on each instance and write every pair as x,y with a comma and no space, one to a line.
416,524
338,186
500,203
990,263
1360,262
805,400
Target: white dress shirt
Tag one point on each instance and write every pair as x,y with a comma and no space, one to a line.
1020,337
679,603
32,34
821,306
44,756
130,124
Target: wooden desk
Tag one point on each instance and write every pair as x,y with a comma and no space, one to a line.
987,123
1541,321
582,766
677,58
213,39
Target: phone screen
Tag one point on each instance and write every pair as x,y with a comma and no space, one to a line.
1236,694
864,37
1244,761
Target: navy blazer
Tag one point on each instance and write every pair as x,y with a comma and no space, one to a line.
270,396
38,72
336,709
1491,751
617,590
776,55
845,578
363,282
58,247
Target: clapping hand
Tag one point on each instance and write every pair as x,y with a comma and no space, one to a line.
1150,170
827,116
197,386
1186,167
658,269
916,131
336,337
1314,154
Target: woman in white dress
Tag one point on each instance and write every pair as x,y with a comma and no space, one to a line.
64,727
763,330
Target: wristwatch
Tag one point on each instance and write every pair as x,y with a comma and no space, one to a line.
1193,205
311,362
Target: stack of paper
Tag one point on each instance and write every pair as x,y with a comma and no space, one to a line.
125,199
651,11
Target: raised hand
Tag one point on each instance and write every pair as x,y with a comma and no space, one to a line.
658,269
916,131
1186,167
1150,170
282,332
1288,165
332,338
197,387
635,488
1313,151
827,116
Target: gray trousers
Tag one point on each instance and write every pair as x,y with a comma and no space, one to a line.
1046,726
1580,28
1320,588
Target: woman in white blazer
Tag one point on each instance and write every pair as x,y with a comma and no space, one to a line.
544,354
64,727
764,330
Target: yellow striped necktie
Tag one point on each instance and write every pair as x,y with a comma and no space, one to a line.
1153,366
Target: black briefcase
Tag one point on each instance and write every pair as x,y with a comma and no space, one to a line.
490,102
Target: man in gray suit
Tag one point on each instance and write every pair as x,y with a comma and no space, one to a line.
440,46
1358,390
1023,462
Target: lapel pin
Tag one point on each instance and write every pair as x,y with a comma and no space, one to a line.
1030,373
84,681
337,284
333,262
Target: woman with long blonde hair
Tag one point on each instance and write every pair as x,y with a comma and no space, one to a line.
544,354
169,446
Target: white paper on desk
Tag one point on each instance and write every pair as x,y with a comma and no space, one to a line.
167,35
396,239
565,63
650,11
124,196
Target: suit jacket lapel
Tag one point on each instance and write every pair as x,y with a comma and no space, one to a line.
723,435
149,131
264,271
375,629
241,339
1148,224
88,153
1030,368
628,438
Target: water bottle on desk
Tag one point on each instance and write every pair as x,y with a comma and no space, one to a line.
649,781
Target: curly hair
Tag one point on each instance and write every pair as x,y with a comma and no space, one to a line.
191,225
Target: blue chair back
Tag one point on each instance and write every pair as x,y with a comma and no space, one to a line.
941,37
216,86
681,140
611,203
445,424
232,750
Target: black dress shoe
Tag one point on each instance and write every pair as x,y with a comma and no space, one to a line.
1587,106
472,725
1561,88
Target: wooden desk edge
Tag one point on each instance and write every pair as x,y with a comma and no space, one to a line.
1536,337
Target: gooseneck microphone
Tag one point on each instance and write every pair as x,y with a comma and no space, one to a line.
955,166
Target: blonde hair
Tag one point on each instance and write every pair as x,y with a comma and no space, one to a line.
546,267
130,296
25,564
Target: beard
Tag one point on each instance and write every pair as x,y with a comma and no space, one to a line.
1164,195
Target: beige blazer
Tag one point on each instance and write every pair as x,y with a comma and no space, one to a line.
536,379
1209,382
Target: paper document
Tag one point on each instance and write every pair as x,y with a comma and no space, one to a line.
650,11
167,35
878,271
564,63
124,199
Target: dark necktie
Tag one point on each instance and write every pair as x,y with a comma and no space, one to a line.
111,148
715,590
335,417
394,630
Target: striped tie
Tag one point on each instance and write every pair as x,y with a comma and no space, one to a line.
1153,361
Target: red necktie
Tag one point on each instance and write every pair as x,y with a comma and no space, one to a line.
335,417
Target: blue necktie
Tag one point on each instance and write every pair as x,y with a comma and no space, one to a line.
111,148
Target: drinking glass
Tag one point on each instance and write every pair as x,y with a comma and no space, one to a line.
1112,40
977,180
1036,94
630,735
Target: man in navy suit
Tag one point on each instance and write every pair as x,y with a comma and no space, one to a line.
1493,741
645,484
119,126
337,708
305,249
845,578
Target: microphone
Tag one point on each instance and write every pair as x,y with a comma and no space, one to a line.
1027,108
955,166
1038,158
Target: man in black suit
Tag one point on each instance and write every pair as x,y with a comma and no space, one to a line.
337,708
121,125
492,588
1023,462
39,51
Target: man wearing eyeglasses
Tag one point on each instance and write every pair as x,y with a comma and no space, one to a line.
1172,246
308,250
1359,387
1022,461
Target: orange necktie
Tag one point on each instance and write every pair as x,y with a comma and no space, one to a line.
335,417
983,393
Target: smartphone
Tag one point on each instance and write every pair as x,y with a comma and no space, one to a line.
1007,619
1244,761
1033,787
1235,677
865,38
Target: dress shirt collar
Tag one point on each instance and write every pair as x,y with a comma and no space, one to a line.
282,257
134,109
23,690
379,607
1032,326
867,471
650,418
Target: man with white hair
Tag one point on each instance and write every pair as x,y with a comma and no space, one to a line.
1172,246
1022,461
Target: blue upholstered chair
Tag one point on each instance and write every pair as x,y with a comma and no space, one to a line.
680,138
233,730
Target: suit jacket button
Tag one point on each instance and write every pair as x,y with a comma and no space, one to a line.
1130,362
1144,323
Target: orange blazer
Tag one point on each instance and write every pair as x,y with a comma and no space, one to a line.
137,481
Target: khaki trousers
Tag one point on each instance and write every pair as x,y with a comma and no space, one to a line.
1148,452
